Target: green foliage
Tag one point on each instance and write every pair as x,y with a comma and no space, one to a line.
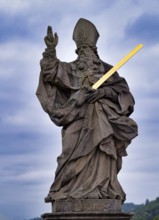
149,211
156,218
130,207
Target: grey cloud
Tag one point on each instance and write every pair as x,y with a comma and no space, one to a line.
25,181
144,29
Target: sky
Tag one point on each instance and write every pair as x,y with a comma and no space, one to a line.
29,141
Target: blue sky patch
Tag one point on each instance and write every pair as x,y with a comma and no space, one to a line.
144,29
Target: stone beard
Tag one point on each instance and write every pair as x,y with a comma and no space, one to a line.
88,65
96,127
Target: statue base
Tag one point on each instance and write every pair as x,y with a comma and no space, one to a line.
86,216
92,209
87,205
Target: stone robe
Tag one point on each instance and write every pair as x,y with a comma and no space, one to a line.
94,136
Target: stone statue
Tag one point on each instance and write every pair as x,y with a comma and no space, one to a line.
96,128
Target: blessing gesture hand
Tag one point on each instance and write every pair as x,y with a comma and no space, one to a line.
51,40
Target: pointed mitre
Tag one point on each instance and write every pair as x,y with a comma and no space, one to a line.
85,33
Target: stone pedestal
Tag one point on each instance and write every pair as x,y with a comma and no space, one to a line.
86,216
87,209
87,205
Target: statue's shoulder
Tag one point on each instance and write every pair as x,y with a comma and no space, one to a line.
107,67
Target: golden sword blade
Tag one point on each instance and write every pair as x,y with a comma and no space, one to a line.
117,66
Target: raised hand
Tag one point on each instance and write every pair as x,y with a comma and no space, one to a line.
51,40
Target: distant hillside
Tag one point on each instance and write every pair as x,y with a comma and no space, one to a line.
148,211
130,207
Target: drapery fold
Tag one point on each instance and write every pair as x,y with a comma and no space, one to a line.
94,136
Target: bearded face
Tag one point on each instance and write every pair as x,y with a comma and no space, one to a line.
88,65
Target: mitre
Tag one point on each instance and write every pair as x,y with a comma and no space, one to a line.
85,33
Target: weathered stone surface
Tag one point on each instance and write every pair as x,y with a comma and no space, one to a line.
87,209
87,216
87,205
96,128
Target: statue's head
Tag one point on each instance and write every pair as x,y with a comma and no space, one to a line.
85,34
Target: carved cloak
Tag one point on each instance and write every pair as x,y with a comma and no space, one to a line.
94,136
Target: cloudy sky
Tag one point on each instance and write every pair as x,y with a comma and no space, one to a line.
29,142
